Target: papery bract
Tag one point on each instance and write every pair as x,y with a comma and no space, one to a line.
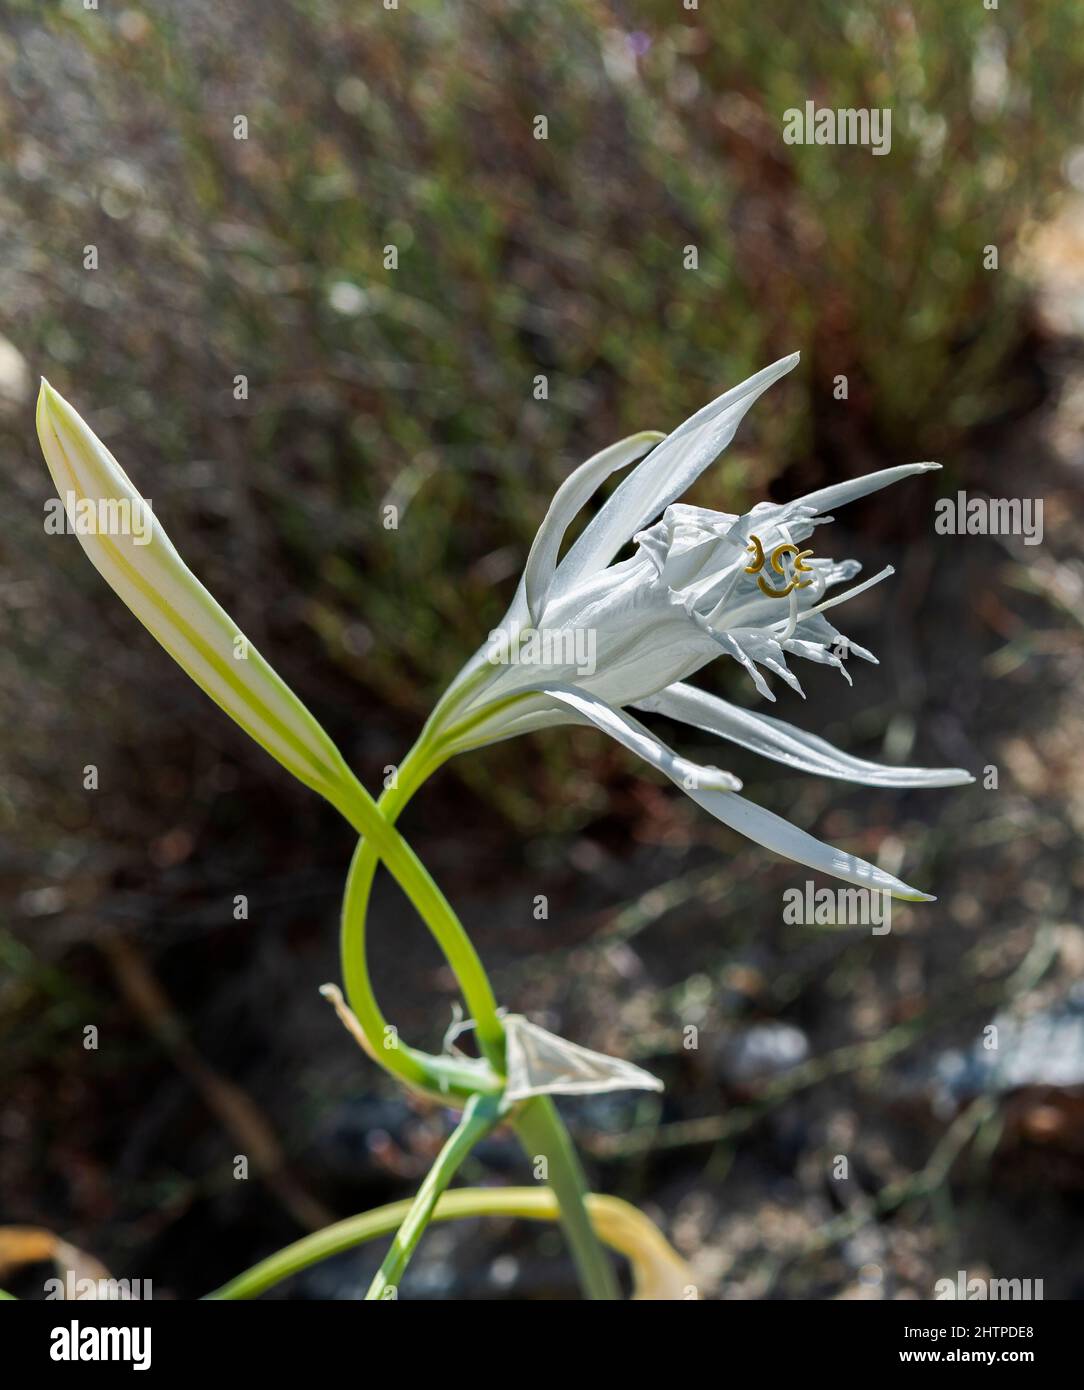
542,1063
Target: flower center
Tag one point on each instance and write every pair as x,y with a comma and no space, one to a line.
778,563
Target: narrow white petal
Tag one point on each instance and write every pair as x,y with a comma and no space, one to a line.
670,469
542,1063
778,835
825,498
735,649
818,629
749,819
762,648
167,598
573,493
815,651
783,743
639,740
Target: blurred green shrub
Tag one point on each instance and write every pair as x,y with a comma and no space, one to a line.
265,257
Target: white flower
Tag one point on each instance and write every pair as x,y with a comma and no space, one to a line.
701,584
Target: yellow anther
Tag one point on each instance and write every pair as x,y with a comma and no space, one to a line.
798,565
766,588
757,550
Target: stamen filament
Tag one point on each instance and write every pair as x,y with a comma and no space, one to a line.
851,593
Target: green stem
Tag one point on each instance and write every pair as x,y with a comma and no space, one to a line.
383,841
353,951
542,1134
529,1204
443,1078
479,1116
538,1125
418,1068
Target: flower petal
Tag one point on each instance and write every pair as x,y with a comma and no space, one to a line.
637,739
569,498
151,578
839,494
783,743
749,819
541,1063
734,648
670,469
778,835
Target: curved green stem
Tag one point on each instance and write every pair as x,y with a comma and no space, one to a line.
621,1226
417,1068
479,1116
380,840
538,1125
437,1075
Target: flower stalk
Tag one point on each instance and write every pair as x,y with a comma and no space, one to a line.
543,1136
479,1116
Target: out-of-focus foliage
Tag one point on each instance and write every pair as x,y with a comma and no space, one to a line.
566,257
878,261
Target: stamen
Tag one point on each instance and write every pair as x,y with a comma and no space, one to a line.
767,590
851,593
787,548
792,617
757,550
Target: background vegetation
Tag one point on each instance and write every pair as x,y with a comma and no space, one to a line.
566,257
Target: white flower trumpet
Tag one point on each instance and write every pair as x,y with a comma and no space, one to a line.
701,584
